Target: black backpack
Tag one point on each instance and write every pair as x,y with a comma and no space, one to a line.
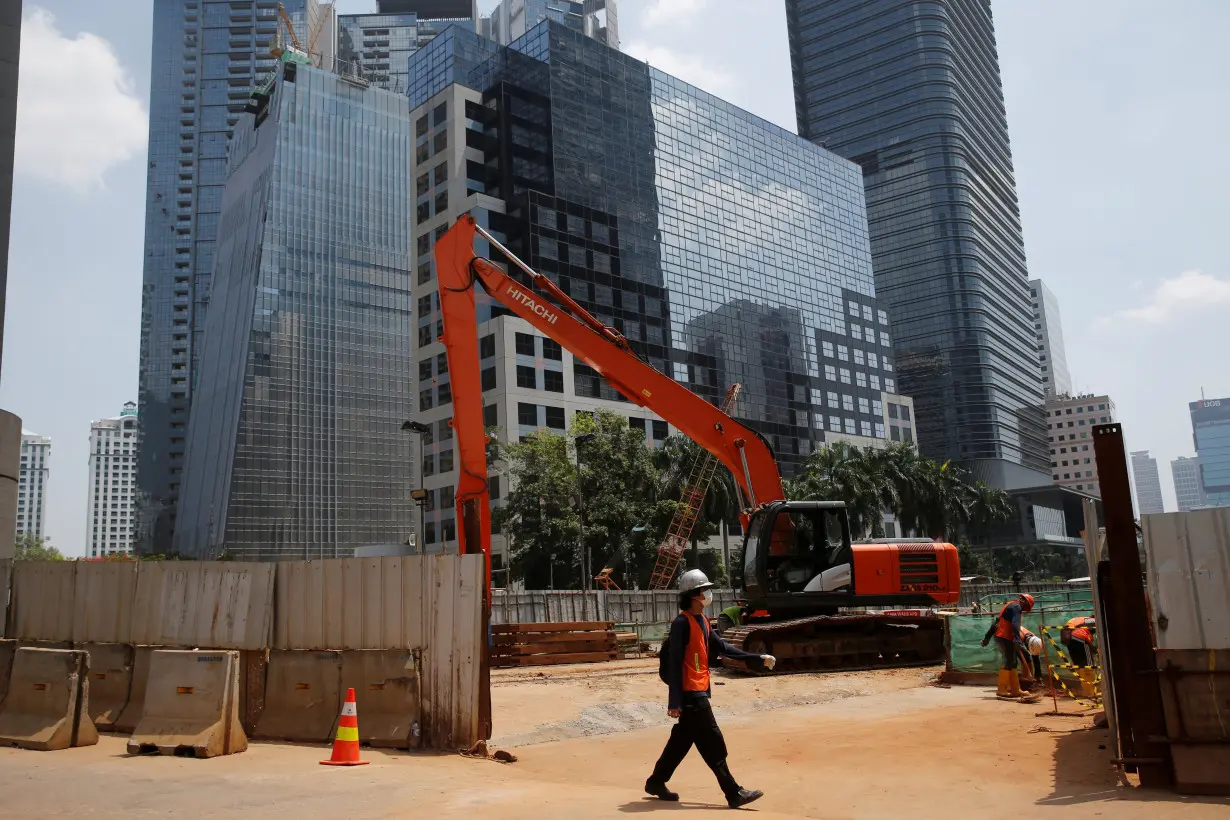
664,659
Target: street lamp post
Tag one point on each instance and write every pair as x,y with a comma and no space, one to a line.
419,495
586,576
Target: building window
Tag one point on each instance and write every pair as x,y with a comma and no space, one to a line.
526,377
425,400
850,429
555,417
847,403
845,376
552,350
660,430
827,347
553,381
524,344
486,346
527,414
830,372
487,379
843,353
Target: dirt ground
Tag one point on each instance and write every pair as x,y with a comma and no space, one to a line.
854,745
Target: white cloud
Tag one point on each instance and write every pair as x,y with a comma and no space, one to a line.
77,113
667,12
688,67
1189,292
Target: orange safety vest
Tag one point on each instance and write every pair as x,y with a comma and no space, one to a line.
1080,621
696,658
1082,634
1003,627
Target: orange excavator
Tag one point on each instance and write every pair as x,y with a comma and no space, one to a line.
800,568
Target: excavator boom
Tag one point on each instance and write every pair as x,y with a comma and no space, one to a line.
740,449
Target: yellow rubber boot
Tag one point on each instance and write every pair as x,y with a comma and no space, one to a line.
1014,684
1087,677
1003,688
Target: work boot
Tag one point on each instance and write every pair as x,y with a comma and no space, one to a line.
743,797
736,795
1003,688
1088,679
658,789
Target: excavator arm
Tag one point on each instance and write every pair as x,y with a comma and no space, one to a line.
740,449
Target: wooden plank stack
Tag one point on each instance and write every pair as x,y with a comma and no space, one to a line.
552,643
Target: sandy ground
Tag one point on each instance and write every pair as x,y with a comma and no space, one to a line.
843,746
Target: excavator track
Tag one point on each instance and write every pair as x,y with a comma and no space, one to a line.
835,643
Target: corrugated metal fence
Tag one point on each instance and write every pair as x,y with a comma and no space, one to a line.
430,605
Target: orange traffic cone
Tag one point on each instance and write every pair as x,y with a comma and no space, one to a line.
346,745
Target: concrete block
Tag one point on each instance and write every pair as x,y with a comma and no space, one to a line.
387,691
303,696
191,705
47,707
128,718
110,681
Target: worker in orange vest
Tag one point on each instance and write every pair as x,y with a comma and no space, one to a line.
685,669
1077,636
1007,634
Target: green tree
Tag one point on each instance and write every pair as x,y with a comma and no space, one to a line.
33,548
619,487
539,515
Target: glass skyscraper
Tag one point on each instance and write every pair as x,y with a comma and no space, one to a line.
294,448
910,91
207,56
599,19
1211,432
377,47
723,247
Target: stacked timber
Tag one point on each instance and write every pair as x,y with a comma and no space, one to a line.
546,644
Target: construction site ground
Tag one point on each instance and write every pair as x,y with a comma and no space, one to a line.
857,744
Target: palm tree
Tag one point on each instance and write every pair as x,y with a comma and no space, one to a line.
842,472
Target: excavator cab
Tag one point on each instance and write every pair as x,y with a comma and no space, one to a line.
798,558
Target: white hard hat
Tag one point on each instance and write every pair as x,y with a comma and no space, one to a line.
1034,645
694,581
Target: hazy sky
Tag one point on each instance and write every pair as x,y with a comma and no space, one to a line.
1117,110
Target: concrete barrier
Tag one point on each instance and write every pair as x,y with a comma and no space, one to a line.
110,681
303,696
387,690
47,707
126,721
7,650
191,705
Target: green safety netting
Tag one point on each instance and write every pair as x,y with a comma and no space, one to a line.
1051,609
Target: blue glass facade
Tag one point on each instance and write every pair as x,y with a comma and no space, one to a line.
723,247
207,56
377,47
1211,432
294,449
910,90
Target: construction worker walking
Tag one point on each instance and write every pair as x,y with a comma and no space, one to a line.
684,666
1007,634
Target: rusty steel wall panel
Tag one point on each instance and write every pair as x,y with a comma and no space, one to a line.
42,600
215,604
102,601
355,603
1188,558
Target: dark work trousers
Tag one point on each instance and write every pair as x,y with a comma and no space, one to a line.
696,726
1007,653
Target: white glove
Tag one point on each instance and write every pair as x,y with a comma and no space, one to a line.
769,661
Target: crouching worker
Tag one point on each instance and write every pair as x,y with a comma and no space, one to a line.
1031,658
1077,637
1007,634
691,646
